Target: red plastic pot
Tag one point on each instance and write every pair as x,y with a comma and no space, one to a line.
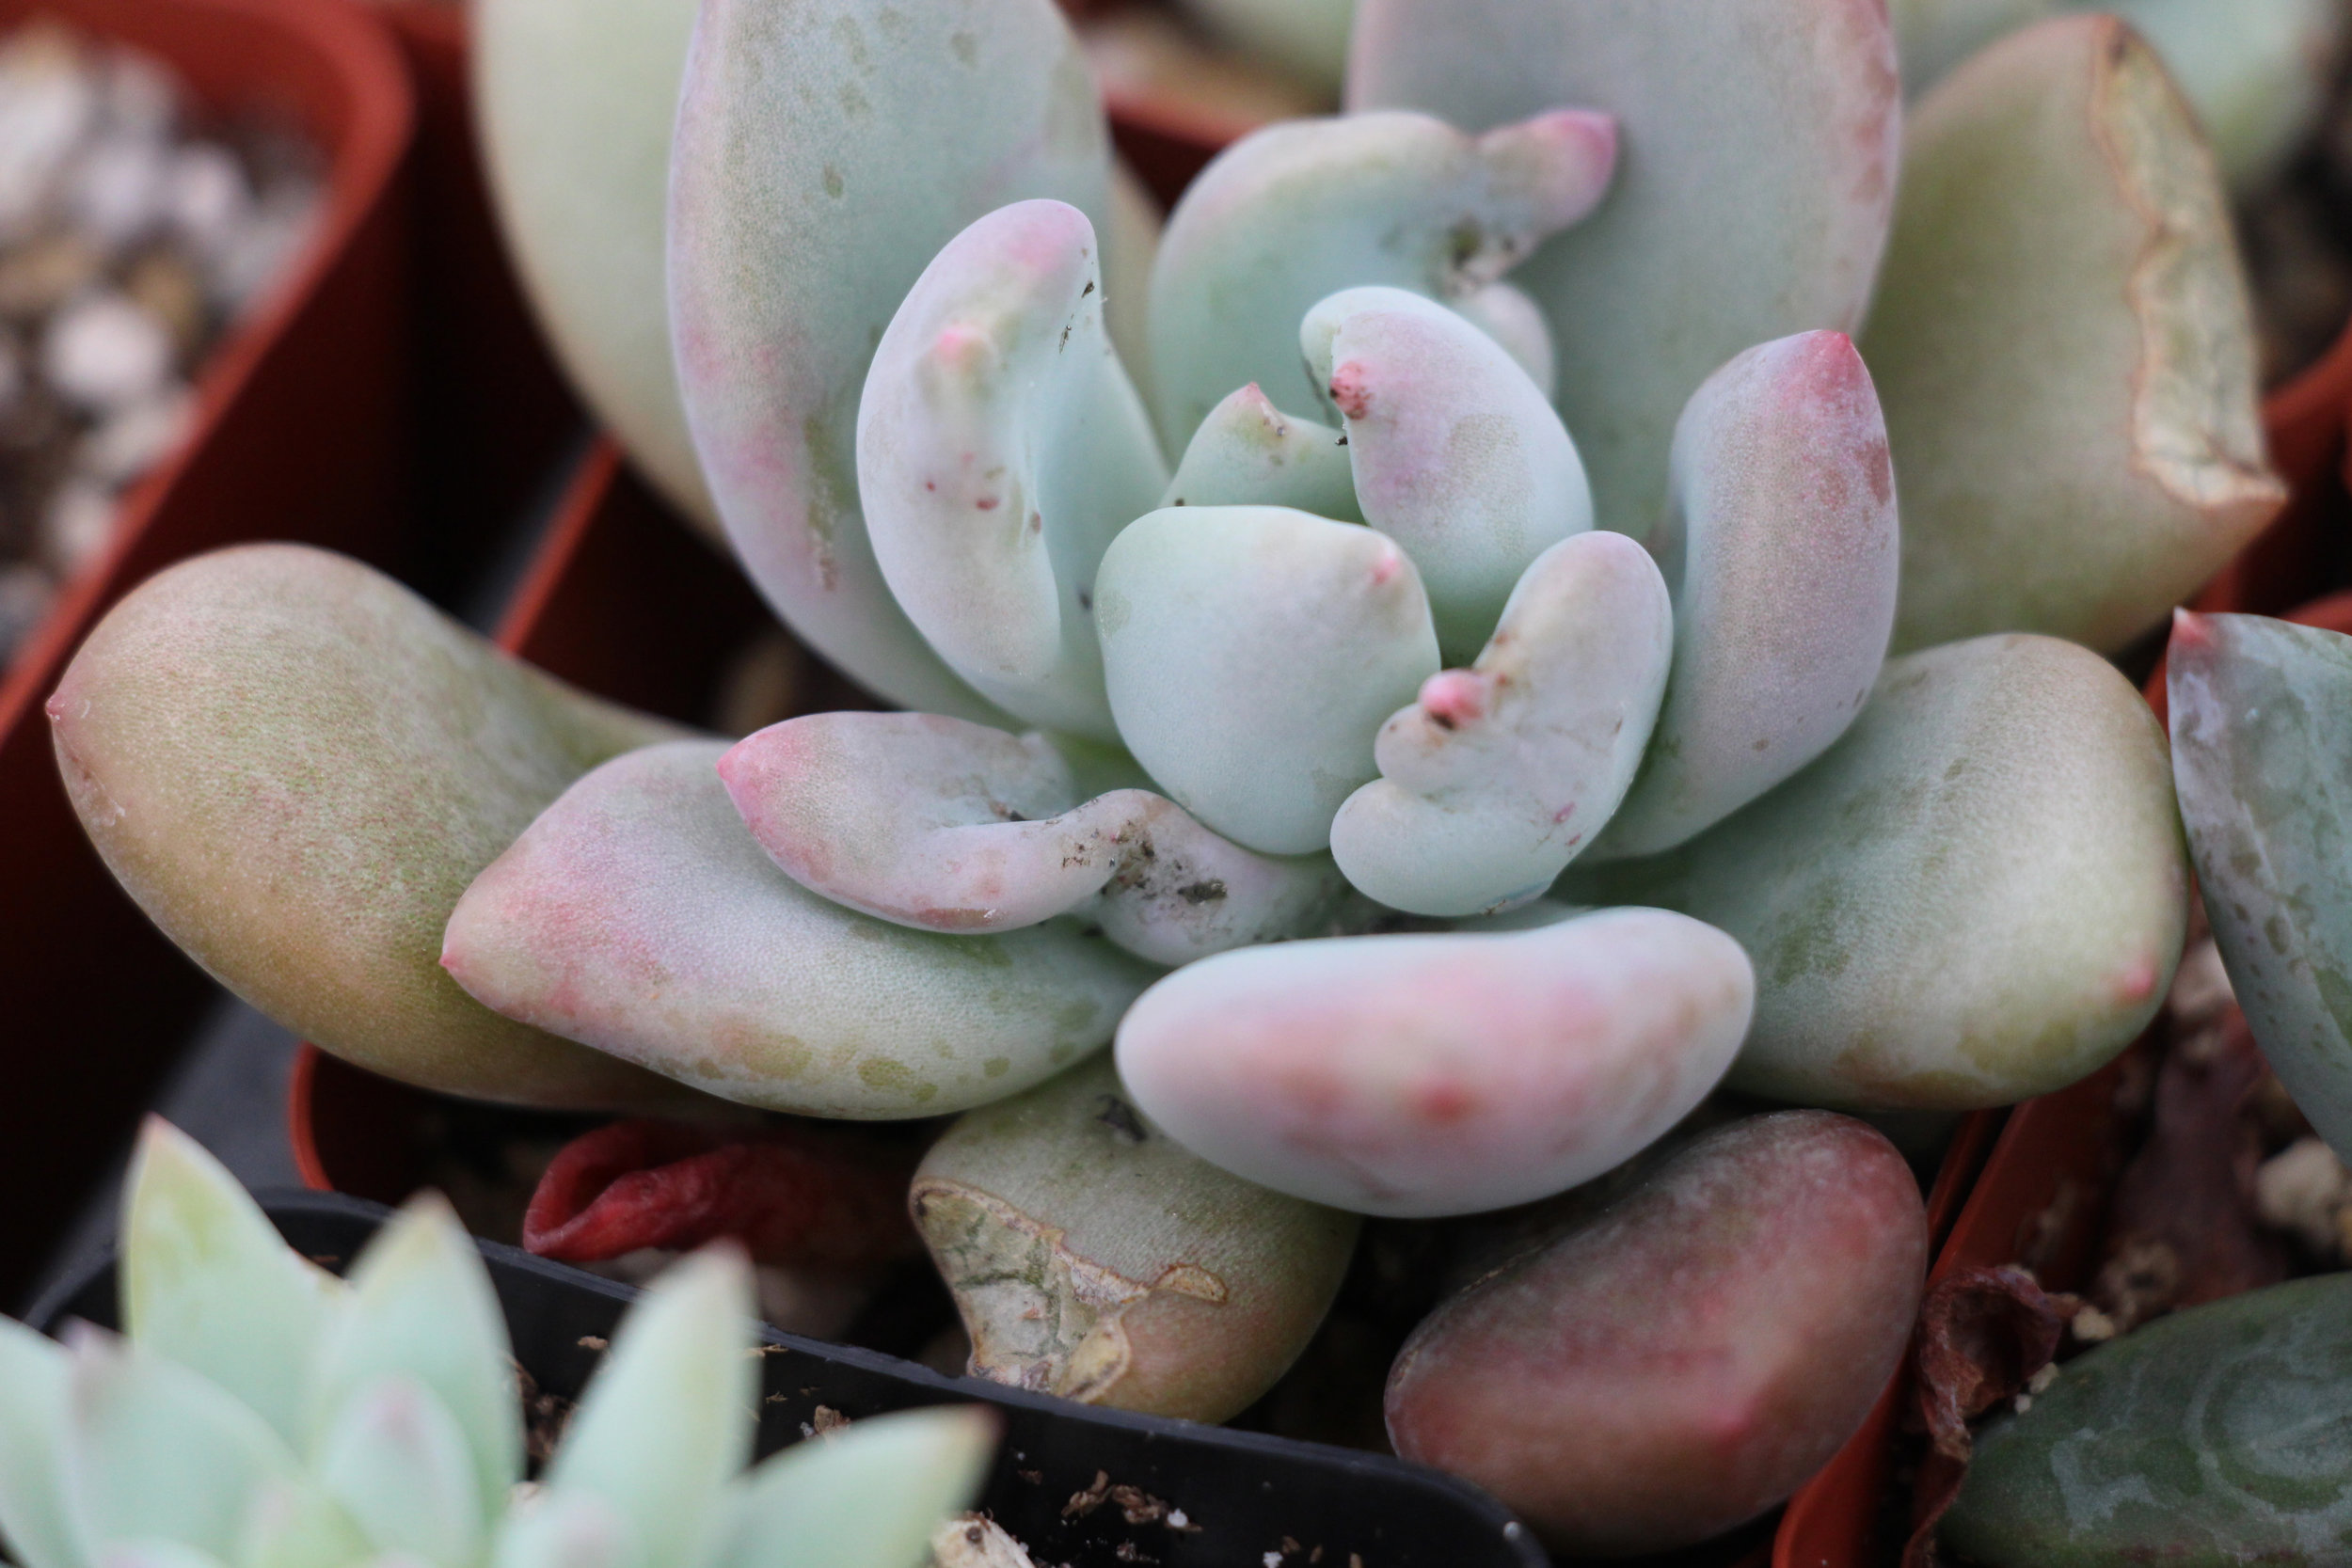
298,434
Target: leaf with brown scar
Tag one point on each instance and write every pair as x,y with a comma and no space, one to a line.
1090,1257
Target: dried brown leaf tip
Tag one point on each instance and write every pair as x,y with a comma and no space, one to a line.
1983,1335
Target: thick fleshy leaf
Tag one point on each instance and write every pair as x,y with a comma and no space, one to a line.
825,152
575,99
1977,895
2255,70
1781,542
1092,1257
1000,447
295,766
1500,773
864,1496
1687,1356
1933,36
1456,454
792,1193
158,1554
1306,39
1506,314
2063,348
1759,171
293,1523
1131,243
1247,453
667,1420
36,1518
152,1450
950,826
1251,652
209,1283
423,1309
567,1531
640,916
1301,209
400,1465
2262,722
1421,1075
2215,1434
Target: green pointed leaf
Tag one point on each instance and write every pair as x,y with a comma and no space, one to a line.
209,1283
640,915
1979,894
667,1420
293,1523
422,1309
399,1465
1247,453
295,765
571,1531
869,1496
154,1450
159,1553
36,1518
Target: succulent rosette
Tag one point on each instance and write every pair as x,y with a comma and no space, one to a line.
1581,579
258,1410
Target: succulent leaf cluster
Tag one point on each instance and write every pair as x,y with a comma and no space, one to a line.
1581,580
259,1410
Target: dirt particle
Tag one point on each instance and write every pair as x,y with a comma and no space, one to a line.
1083,1503
1120,1119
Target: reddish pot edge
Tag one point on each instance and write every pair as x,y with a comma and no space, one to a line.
351,92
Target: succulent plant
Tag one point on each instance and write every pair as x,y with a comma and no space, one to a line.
1499,507
1092,1255
2212,1435
1307,38
2258,711
2253,69
1684,1358
260,1411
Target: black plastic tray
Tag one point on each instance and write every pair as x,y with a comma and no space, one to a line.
1246,1494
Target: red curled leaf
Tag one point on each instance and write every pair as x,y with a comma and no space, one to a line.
789,1195
1983,1334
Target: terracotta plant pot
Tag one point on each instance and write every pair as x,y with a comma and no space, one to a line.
299,433
1241,1496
